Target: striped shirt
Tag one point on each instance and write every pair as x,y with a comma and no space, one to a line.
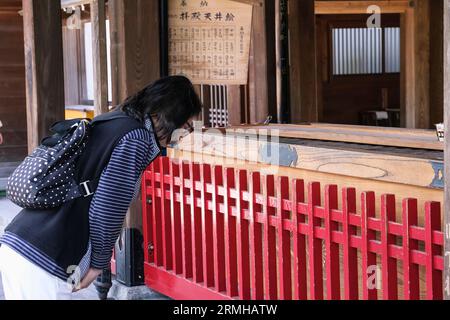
118,186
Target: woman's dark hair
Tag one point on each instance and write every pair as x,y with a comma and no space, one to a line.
170,102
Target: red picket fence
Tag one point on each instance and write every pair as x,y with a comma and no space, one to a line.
222,233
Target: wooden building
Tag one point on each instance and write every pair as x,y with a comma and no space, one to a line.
330,67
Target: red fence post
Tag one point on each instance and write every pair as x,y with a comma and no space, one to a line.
389,264
218,230
315,244
185,221
243,244
156,216
176,219
299,241
433,276
196,224
331,248
350,253
256,245
284,241
207,227
165,214
411,279
270,261
147,226
369,258
230,235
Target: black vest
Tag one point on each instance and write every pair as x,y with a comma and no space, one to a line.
63,233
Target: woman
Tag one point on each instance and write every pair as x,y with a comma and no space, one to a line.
44,250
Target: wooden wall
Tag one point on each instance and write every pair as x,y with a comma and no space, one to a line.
12,83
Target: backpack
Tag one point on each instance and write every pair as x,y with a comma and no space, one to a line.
46,178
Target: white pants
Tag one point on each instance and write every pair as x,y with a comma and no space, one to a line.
23,280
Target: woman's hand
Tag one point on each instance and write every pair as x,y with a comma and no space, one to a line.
88,279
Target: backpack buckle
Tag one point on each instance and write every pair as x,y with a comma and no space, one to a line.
88,191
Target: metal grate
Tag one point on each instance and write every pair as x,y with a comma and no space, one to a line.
361,50
392,50
215,101
357,51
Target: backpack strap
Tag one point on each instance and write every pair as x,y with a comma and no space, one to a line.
89,187
84,189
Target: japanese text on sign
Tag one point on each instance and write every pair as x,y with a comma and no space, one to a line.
209,40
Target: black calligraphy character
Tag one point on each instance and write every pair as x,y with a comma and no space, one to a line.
184,15
204,4
229,17
219,16
183,3
196,15
208,16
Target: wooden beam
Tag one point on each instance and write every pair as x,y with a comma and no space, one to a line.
422,61
303,64
44,67
99,56
446,67
134,28
360,7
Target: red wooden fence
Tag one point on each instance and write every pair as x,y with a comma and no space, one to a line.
221,233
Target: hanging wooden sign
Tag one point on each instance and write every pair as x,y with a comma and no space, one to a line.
209,40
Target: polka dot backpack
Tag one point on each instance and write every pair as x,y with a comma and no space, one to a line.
45,179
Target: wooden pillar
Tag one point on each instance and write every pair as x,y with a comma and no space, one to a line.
436,62
446,67
302,41
262,68
134,28
44,67
99,56
415,23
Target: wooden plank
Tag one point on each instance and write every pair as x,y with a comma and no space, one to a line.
359,7
100,61
446,67
44,67
364,163
303,61
72,65
406,138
